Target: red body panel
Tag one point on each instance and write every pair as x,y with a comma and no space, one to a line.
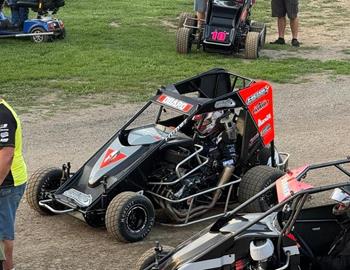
288,184
259,100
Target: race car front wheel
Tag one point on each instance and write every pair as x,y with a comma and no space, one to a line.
41,183
148,258
255,180
184,40
130,217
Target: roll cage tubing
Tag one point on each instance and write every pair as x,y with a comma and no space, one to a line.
307,169
223,220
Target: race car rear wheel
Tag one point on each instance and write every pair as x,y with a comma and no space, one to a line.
260,28
183,40
148,258
255,180
42,182
187,17
252,45
130,217
39,38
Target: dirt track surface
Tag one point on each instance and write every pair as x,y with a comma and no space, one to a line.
312,124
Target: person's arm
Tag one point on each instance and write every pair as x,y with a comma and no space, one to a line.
6,157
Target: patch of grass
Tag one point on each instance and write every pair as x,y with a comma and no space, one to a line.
288,47
346,51
121,48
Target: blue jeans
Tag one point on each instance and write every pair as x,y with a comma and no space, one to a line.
10,198
18,14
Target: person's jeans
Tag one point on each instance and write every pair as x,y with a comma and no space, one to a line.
18,14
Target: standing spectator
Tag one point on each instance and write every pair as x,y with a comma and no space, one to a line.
13,177
18,14
200,6
281,8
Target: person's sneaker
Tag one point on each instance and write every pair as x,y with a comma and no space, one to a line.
295,42
279,41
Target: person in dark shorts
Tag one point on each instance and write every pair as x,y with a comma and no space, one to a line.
200,6
13,177
281,9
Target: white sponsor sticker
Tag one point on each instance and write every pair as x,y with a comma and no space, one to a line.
263,121
3,126
257,95
4,134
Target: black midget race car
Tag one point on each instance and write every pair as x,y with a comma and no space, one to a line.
186,151
287,236
227,29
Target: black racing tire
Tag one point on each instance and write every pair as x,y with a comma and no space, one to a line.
39,38
148,257
130,217
40,182
183,40
191,19
254,181
252,46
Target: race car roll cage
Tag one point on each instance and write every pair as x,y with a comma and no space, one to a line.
300,195
211,87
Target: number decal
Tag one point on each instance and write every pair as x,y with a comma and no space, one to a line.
219,36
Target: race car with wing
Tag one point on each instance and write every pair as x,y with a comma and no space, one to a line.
227,29
189,149
287,236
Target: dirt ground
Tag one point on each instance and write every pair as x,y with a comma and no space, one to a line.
312,124
324,31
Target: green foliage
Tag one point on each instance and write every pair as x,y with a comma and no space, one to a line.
127,49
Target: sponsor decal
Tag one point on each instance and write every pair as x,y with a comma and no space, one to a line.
219,36
265,130
253,139
176,130
175,103
112,156
261,105
227,103
258,94
4,133
263,121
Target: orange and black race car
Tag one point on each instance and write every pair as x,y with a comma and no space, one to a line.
196,145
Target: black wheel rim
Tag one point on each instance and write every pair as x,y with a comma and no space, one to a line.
136,219
48,186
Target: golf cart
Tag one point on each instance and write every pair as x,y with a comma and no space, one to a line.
287,236
227,29
42,29
195,145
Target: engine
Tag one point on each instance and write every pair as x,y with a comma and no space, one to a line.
185,173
